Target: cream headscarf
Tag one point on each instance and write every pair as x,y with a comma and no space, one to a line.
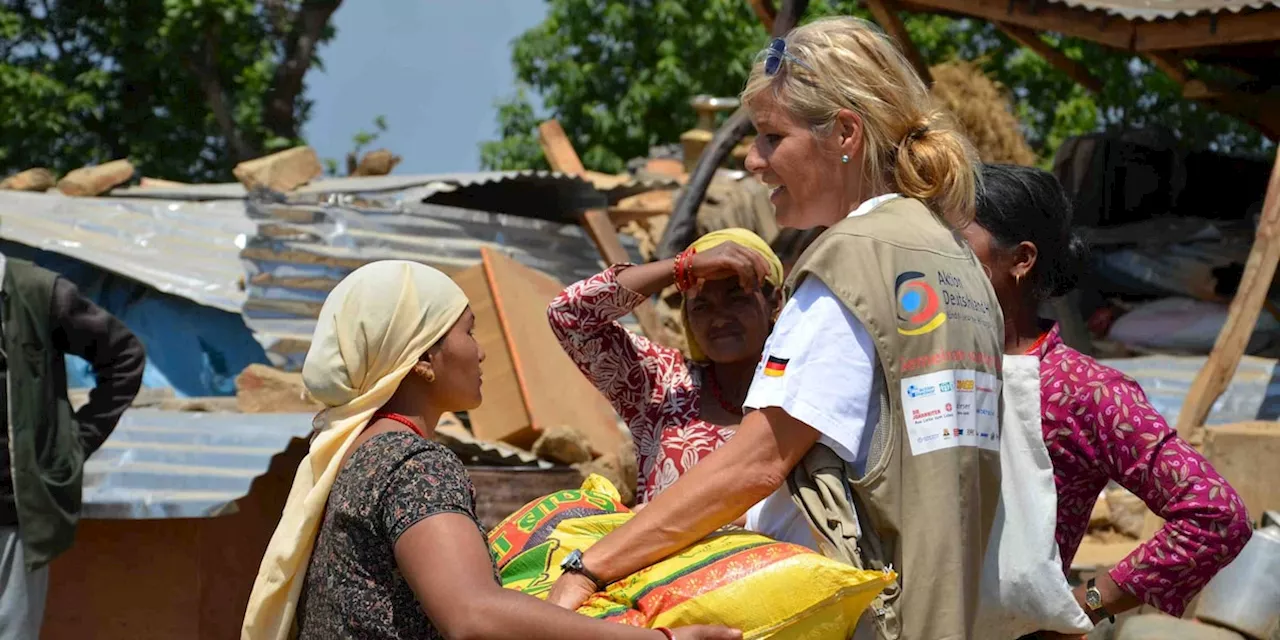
372,328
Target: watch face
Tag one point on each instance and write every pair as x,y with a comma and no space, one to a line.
572,561
1093,598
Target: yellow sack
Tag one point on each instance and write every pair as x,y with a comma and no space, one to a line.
767,589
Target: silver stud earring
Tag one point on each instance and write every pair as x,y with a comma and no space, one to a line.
844,159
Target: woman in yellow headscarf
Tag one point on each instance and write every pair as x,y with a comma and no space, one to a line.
678,409
379,538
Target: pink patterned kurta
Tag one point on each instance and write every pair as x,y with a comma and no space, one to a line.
1099,427
653,388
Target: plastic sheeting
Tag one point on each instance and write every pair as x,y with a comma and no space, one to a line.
194,349
1253,393
171,464
1169,257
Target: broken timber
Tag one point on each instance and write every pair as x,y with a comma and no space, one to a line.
599,227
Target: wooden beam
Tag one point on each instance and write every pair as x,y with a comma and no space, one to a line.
1222,28
1171,66
562,157
682,228
766,12
1042,16
1260,111
1031,40
1242,317
886,14
558,150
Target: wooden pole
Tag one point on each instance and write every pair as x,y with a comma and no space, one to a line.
1031,40
563,158
1171,65
886,14
681,229
1242,317
766,12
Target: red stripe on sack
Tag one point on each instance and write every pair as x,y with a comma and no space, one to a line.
724,572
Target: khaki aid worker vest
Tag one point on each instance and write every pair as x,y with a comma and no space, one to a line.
926,503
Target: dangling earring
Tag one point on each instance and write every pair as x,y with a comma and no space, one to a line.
844,159
1017,279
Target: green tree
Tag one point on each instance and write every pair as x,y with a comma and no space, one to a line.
184,88
619,74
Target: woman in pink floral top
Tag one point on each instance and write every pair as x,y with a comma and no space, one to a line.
1097,422
679,410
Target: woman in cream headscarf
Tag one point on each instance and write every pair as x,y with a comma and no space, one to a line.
379,537
678,410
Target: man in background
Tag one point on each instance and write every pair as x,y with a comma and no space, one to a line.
43,443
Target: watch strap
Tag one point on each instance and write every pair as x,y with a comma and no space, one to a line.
1091,588
574,564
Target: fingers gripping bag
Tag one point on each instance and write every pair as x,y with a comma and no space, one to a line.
767,589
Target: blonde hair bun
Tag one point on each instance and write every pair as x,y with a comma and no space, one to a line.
909,143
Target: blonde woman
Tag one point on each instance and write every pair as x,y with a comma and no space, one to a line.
379,538
878,391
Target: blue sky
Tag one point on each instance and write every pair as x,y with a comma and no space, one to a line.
433,68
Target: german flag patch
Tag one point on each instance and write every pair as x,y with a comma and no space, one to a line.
774,367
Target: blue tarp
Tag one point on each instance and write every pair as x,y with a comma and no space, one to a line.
195,349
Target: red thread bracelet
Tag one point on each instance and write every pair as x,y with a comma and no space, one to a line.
677,271
683,275
666,632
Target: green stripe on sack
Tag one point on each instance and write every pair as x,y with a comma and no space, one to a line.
710,560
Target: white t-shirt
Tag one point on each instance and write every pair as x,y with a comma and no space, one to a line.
819,366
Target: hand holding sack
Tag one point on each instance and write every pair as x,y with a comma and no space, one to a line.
743,580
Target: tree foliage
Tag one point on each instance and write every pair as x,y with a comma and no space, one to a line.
619,74
184,88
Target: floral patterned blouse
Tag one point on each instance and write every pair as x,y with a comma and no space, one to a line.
654,388
1099,426
353,587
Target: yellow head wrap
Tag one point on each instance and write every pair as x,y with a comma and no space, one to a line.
372,329
744,238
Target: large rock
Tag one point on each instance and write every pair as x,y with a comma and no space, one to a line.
282,172
96,180
262,389
376,163
1101,514
564,445
30,180
1128,512
618,468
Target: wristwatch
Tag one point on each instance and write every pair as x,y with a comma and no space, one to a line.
1093,598
573,564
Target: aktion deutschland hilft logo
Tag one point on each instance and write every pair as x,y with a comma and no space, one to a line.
918,305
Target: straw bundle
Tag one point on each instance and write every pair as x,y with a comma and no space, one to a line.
983,110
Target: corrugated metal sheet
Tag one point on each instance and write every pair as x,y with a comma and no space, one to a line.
435,188
302,250
1167,9
187,241
171,464
188,249
473,451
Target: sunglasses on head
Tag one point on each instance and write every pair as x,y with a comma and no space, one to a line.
775,53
